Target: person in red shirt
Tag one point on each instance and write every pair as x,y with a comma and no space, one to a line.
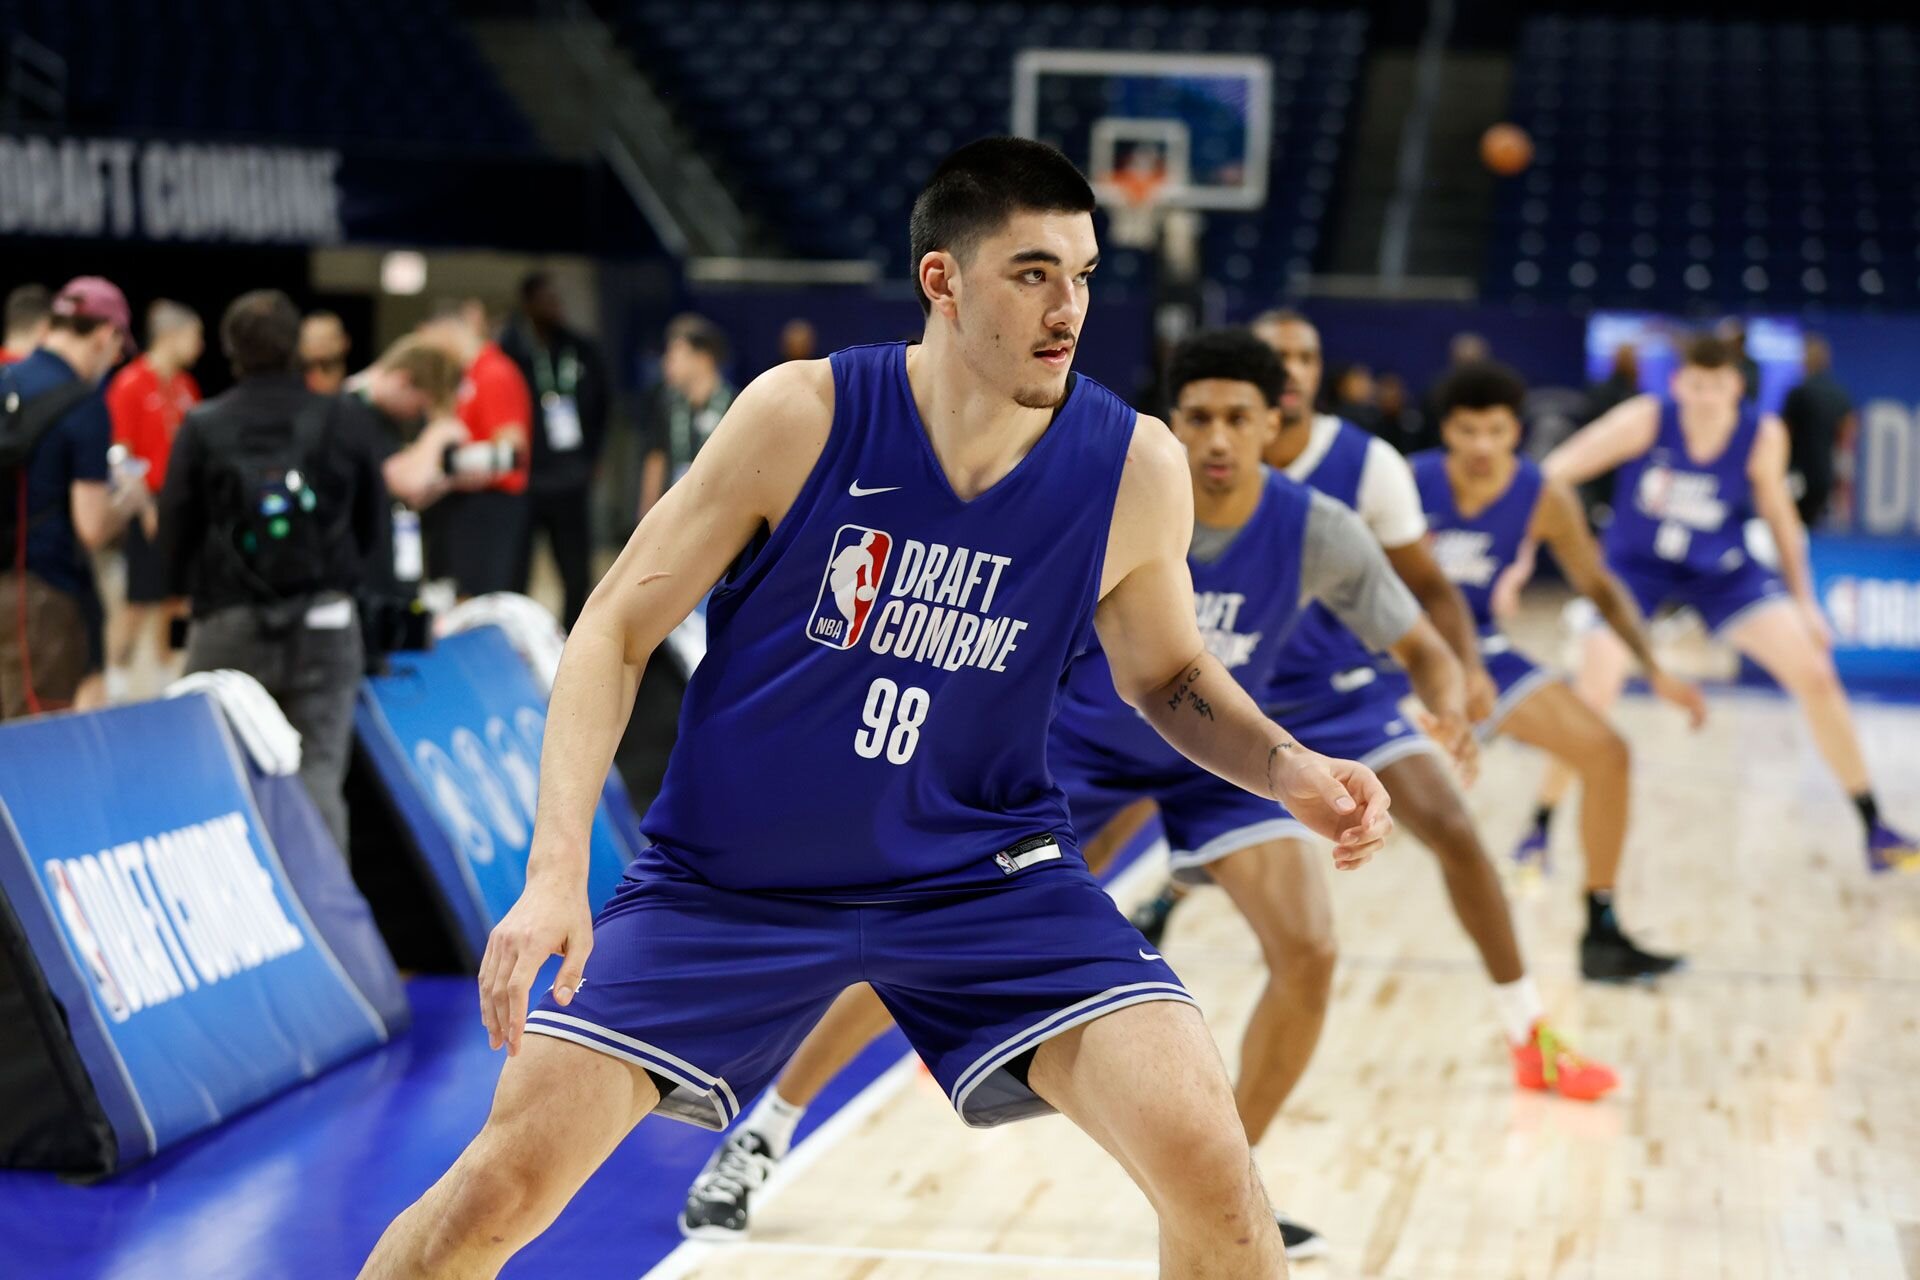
147,399
474,534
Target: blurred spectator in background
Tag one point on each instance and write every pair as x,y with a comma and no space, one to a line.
570,399
687,406
1353,398
1621,384
1818,415
272,506
1733,331
324,347
798,340
61,501
147,400
1464,349
28,308
1400,424
475,533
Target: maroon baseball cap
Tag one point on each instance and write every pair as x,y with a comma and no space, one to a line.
97,298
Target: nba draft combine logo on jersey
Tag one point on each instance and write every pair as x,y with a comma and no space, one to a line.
1685,497
941,606
855,570
1218,612
1465,556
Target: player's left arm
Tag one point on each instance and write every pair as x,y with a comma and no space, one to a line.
1162,667
1442,602
1559,522
1773,499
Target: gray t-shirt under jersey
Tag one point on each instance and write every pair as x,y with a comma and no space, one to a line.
1343,567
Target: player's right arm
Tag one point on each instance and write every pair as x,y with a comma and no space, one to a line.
746,476
1619,435
1559,522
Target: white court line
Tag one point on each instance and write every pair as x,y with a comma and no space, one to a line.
1025,1261
1152,864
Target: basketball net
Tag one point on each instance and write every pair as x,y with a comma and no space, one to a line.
1134,222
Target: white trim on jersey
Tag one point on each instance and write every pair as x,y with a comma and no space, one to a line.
1182,860
1388,498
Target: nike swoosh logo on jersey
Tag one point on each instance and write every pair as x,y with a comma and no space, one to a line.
1148,955
855,491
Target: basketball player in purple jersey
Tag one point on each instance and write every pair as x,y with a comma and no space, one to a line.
1693,469
1263,546
866,798
1333,685
1484,503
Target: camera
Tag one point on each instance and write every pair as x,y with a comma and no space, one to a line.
480,459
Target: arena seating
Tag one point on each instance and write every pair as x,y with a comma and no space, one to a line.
348,71
826,118
1713,165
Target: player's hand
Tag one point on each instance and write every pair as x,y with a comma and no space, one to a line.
1338,799
1684,694
1505,599
1816,622
1482,695
549,920
1454,732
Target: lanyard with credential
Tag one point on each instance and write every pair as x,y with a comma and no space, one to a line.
680,422
543,373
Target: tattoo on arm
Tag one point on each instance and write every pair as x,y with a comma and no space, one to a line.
1184,695
1273,758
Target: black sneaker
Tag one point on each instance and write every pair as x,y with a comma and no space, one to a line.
716,1207
1612,957
1302,1242
1151,918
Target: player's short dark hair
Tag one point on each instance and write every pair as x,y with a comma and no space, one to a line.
977,188
260,333
700,333
1481,384
1231,355
1709,351
28,305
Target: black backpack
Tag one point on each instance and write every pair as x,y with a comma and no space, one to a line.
22,423
266,510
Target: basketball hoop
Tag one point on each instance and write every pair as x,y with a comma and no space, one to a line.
1133,218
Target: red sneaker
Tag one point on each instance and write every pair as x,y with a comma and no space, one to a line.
1546,1063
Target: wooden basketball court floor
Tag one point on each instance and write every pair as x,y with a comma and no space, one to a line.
1768,1124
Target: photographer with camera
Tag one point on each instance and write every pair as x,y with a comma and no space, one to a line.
272,506
475,533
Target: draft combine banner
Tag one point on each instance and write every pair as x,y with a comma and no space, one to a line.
454,735
159,915
1869,589
208,192
119,189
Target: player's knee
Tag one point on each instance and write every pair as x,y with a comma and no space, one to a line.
1206,1168
499,1201
1603,754
1306,961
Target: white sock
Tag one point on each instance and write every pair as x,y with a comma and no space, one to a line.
774,1119
1520,1007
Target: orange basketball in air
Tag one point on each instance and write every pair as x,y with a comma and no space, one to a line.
1506,149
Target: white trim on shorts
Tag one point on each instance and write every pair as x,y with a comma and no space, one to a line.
702,1100
1413,744
1517,692
1234,841
1112,1000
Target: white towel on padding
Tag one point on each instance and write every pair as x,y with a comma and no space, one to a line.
256,718
529,628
